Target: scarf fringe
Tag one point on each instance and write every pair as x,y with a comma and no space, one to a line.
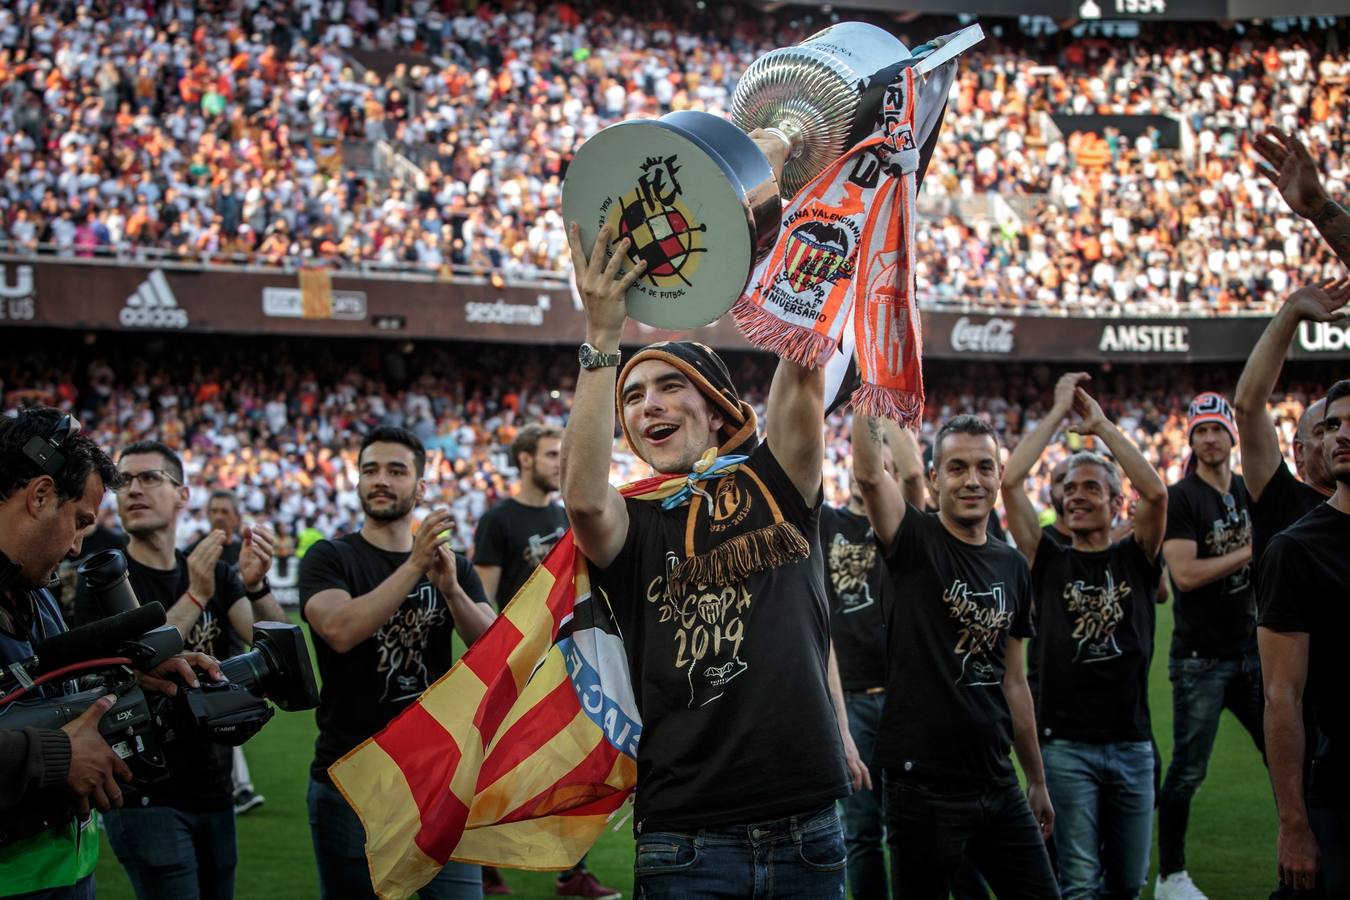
767,331
736,558
904,407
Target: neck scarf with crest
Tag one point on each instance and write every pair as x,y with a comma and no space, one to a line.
844,258
716,557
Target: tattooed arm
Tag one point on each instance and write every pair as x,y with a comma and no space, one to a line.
1293,171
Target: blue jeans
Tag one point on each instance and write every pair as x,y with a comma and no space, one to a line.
1201,689
935,831
1103,799
170,853
861,811
340,851
798,858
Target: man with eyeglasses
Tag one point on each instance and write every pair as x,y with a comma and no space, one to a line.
182,842
1213,664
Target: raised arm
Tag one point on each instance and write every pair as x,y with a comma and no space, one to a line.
1022,519
795,427
1259,443
594,507
1150,516
881,495
908,459
1294,172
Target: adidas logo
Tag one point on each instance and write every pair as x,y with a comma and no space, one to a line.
153,306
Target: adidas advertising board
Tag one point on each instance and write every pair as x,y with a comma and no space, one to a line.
153,305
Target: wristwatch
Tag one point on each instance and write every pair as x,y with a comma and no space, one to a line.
260,592
591,358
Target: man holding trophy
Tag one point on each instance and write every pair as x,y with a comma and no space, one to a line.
718,591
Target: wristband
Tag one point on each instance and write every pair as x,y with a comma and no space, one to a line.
199,604
255,596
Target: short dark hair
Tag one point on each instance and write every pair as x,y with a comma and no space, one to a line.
962,424
171,460
386,434
225,495
528,438
83,456
1335,392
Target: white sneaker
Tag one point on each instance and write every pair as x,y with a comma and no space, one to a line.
1177,886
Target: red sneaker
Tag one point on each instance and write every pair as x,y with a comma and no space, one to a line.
584,884
493,883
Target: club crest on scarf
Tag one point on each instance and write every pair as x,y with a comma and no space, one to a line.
820,252
663,230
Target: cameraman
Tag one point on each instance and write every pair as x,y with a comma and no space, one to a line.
52,480
181,842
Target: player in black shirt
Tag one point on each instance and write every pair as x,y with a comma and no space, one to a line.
382,605
1213,663
1094,641
956,691
1277,499
510,542
720,599
1304,621
183,840
514,536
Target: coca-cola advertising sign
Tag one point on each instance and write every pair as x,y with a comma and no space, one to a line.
991,336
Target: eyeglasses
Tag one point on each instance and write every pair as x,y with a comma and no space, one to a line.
149,479
1231,505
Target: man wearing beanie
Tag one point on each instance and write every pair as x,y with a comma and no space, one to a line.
1214,663
720,599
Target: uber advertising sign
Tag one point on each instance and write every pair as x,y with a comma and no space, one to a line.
1325,337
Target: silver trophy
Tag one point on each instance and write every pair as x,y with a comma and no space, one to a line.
695,194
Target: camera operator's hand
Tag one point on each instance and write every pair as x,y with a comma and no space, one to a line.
94,767
202,565
429,537
255,559
182,665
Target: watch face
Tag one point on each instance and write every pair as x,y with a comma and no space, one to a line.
587,356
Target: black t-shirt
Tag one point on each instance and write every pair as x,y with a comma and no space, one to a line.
1284,501
854,586
1217,620
366,687
517,537
955,605
730,681
1095,614
199,770
1304,578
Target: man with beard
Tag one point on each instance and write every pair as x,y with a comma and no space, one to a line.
956,688
382,605
1095,616
514,536
1303,623
1213,663
510,542
720,599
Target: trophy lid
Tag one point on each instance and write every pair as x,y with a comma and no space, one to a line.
698,200
814,92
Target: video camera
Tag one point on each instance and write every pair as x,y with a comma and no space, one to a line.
106,655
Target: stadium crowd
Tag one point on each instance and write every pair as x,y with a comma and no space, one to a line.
218,132
285,438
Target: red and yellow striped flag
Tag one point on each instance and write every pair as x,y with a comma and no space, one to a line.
519,754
